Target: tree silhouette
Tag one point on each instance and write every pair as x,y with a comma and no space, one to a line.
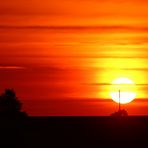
9,104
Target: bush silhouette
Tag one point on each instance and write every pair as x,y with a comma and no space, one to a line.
9,104
120,113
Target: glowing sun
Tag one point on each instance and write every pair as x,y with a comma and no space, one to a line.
123,90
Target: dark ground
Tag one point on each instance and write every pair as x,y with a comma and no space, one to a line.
74,132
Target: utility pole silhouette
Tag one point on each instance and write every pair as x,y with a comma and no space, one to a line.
120,113
119,100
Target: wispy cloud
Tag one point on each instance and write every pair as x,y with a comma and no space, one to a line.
109,84
82,28
11,67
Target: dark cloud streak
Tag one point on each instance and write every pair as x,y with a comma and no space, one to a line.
81,28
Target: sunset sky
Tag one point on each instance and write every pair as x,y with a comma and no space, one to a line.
61,56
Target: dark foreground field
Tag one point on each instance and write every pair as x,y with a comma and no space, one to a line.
74,132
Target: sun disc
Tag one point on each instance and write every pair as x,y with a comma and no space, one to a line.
126,88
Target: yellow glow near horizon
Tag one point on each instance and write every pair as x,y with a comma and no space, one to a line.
127,90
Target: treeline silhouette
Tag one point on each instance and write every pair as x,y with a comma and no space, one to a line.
10,106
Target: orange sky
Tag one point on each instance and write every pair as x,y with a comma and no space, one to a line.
73,49
74,12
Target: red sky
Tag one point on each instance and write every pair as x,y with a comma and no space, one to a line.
69,49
